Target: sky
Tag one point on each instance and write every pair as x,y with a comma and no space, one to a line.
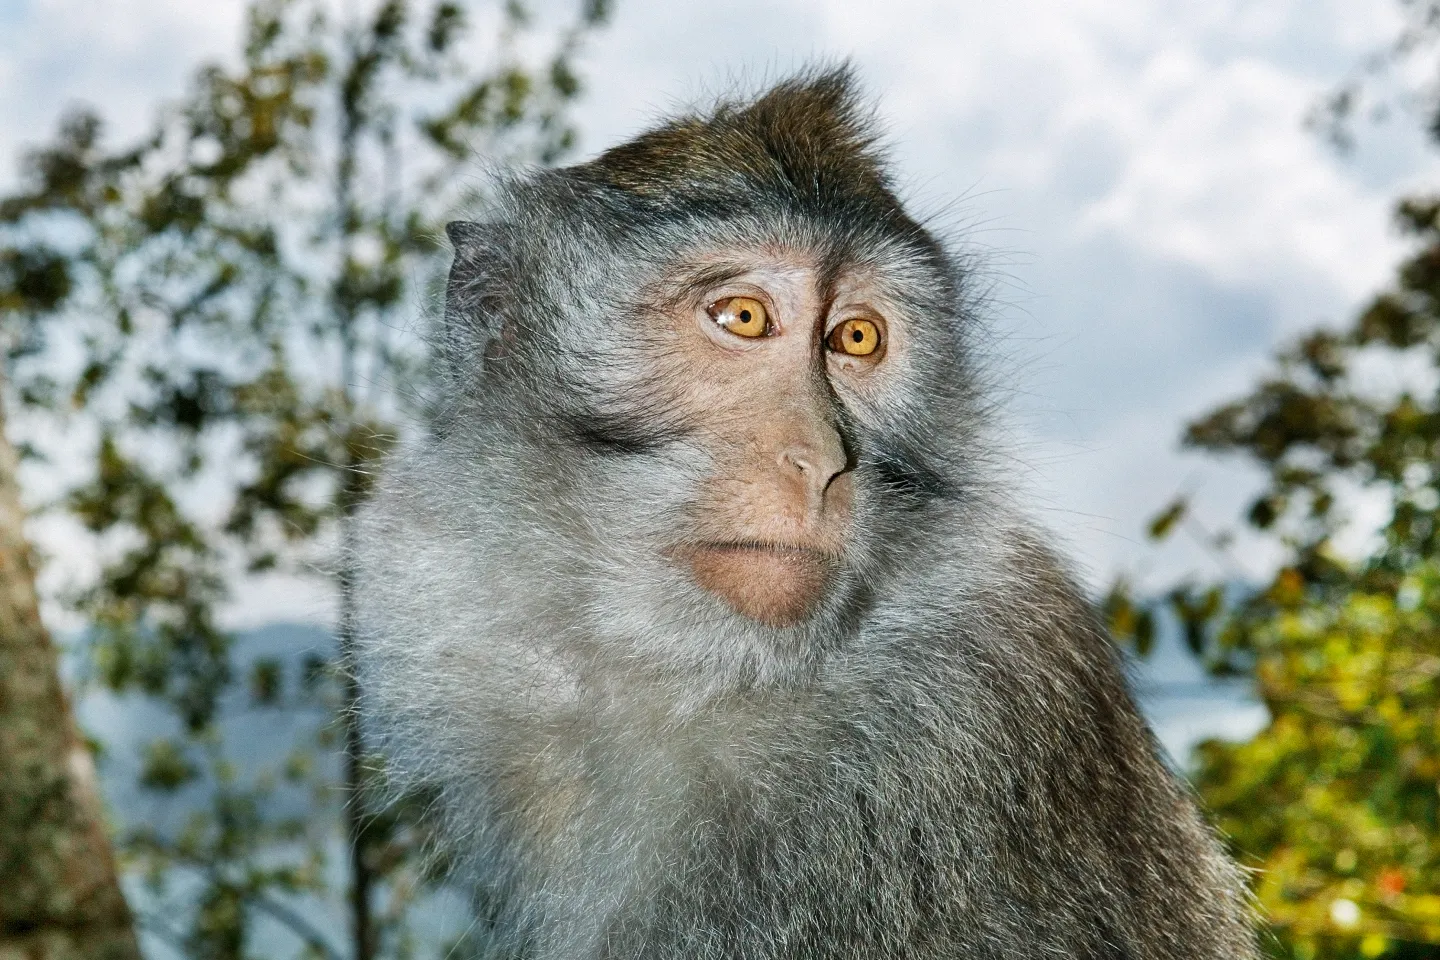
1135,176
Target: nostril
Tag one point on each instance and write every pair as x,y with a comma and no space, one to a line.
799,461
817,469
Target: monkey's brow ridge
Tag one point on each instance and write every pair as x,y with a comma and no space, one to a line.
695,282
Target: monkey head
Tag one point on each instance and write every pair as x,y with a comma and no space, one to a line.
744,350
727,357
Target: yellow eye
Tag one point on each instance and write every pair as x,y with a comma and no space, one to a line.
742,316
857,337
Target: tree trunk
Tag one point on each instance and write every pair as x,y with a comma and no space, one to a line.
59,897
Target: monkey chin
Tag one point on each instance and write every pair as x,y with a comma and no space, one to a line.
778,585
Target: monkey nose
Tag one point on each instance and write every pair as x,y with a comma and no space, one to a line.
818,463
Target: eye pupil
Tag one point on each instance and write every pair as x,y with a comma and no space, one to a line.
744,316
857,336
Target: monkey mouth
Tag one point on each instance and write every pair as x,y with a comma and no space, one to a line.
777,584
762,546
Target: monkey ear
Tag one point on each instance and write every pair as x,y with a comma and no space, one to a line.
474,326
463,233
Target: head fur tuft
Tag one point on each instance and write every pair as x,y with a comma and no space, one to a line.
809,139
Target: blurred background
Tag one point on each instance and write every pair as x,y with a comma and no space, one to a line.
1211,235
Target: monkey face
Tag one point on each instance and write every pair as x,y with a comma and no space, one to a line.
742,419
733,416
764,348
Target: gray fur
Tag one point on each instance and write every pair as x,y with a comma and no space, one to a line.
943,761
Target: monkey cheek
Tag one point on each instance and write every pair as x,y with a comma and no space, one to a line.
777,587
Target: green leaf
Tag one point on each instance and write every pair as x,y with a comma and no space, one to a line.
1165,520
166,767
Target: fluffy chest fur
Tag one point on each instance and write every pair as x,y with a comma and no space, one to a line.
965,772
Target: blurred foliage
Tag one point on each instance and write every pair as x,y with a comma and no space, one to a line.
1399,79
1336,802
217,321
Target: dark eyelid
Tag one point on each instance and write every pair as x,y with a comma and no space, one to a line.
837,315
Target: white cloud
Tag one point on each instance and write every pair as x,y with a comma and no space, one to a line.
1219,174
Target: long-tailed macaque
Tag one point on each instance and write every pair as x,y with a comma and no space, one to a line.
704,604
